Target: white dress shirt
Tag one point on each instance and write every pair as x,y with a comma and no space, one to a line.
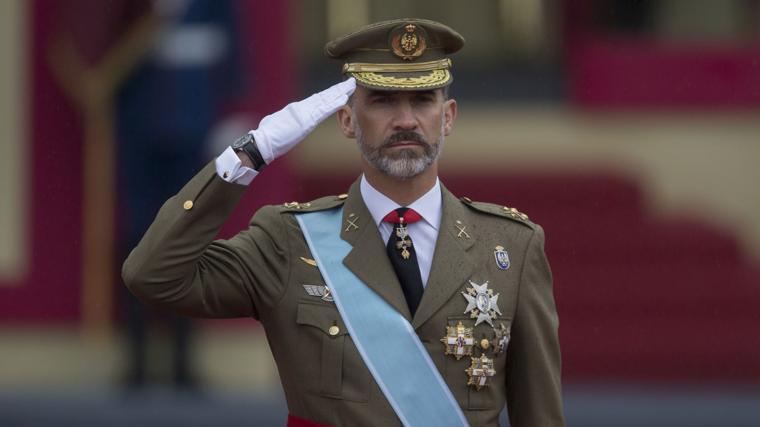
424,233
231,169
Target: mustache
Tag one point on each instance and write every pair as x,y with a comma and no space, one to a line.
405,136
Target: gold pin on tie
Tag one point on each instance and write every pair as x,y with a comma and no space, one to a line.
404,242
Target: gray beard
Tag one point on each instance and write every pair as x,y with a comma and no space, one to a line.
401,164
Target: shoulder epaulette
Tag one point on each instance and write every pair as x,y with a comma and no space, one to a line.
321,204
498,210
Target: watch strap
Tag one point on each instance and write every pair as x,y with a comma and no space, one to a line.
253,153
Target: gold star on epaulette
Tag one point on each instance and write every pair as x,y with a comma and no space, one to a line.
514,213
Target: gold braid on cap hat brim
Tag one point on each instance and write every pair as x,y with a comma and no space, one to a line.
366,67
438,74
436,79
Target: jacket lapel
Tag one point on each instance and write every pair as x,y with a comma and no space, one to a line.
452,265
368,259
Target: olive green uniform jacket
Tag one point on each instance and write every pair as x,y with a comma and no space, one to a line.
260,273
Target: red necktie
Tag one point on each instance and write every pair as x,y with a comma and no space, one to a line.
403,256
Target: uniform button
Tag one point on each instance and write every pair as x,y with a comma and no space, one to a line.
485,344
333,330
188,205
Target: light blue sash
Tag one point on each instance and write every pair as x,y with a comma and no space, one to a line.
385,339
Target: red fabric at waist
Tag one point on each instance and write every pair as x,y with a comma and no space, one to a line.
294,421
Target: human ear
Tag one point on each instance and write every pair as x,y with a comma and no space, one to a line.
346,121
449,116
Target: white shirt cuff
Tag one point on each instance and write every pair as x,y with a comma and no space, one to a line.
231,169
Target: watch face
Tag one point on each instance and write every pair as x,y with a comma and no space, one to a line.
242,141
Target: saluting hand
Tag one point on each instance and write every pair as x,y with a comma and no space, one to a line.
283,130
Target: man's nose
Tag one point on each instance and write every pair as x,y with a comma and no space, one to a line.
404,118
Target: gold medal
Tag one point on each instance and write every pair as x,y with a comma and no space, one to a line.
458,341
404,242
480,371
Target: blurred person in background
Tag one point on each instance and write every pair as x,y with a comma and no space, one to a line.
394,303
163,72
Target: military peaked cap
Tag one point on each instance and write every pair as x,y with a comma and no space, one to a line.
402,54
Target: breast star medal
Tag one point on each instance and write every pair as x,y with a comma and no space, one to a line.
404,243
480,370
481,303
502,257
501,339
458,340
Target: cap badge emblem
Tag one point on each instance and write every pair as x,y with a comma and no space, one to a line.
408,42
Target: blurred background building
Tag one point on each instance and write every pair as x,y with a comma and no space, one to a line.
629,129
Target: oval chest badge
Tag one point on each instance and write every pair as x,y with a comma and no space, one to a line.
502,257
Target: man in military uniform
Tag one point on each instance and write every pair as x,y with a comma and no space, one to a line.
396,303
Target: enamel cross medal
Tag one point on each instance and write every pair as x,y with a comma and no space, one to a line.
480,370
458,341
481,303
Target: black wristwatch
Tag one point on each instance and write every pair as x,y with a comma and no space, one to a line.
247,144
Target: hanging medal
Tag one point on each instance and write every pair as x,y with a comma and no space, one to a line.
404,243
